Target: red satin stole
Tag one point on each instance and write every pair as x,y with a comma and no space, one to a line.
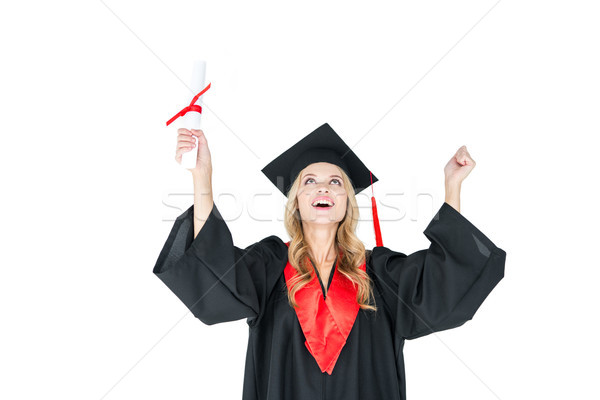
326,323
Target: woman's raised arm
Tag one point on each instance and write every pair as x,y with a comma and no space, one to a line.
215,279
201,173
456,170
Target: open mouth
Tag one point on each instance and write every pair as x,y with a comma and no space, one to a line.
323,204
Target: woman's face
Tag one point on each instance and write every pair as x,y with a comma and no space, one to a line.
322,181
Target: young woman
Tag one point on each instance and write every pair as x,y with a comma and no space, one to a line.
327,318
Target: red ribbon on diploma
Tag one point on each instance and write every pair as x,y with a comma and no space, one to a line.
191,107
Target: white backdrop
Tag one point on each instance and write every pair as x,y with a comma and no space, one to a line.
91,189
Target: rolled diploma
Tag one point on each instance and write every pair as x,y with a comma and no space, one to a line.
192,119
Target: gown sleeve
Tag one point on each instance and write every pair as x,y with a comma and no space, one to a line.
216,280
441,287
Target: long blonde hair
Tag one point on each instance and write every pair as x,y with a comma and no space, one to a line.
346,242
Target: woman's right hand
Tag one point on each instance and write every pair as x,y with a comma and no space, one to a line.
185,143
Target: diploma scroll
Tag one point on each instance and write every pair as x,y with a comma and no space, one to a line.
191,116
192,120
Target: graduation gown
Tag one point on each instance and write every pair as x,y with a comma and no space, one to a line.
427,291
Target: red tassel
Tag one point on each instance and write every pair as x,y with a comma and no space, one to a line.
378,240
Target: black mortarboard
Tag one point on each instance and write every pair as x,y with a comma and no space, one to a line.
321,145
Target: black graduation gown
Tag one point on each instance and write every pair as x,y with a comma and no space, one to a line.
427,291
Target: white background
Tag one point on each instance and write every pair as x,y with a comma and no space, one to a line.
90,188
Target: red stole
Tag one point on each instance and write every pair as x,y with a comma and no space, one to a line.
326,323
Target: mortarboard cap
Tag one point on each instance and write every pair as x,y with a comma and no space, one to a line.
322,145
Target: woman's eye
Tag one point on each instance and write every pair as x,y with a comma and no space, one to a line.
335,179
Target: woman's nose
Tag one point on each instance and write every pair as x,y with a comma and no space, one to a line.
322,187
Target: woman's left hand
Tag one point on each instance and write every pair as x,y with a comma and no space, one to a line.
459,166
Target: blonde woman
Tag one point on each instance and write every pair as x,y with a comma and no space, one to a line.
327,318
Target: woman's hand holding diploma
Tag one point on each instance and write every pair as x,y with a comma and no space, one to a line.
201,173
455,171
186,142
